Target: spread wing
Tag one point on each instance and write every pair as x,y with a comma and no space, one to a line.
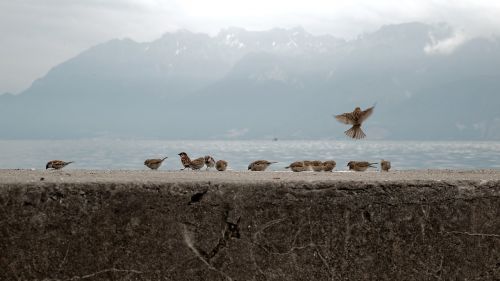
365,114
346,118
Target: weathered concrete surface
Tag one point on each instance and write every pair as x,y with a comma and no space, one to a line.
85,225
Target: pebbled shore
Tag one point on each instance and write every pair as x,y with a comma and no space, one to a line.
162,225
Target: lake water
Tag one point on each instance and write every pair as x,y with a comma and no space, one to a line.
130,154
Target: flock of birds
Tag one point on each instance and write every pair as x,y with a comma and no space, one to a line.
354,118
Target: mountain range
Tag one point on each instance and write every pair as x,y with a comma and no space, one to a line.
428,83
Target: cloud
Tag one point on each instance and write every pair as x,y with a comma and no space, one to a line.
445,46
36,35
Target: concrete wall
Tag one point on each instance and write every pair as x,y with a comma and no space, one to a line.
420,230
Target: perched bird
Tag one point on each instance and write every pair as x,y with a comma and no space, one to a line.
317,166
360,166
56,164
209,162
221,165
298,166
184,160
328,166
308,164
385,165
197,163
355,118
260,165
154,164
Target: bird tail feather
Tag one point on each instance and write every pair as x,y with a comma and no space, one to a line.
355,132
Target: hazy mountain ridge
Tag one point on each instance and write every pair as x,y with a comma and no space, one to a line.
284,83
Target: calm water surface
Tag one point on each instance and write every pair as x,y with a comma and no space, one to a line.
130,154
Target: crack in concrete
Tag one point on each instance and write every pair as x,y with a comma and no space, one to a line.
103,271
473,234
265,226
65,258
312,245
230,230
189,242
325,262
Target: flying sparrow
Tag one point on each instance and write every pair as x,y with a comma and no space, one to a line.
56,164
298,166
197,163
328,166
154,164
317,166
385,165
209,161
221,165
184,160
360,166
355,118
260,165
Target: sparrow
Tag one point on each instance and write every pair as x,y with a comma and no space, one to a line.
209,161
308,164
260,165
385,165
56,164
355,118
317,166
197,163
328,166
298,166
360,166
221,165
154,164
184,160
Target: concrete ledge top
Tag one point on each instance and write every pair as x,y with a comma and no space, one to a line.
146,176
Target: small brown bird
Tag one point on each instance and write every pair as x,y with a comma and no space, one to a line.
184,160
209,162
360,166
355,118
260,165
197,163
308,164
317,166
154,164
221,165
298,166
56,164
328,166
385,165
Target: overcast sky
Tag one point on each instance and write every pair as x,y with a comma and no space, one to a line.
36,35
